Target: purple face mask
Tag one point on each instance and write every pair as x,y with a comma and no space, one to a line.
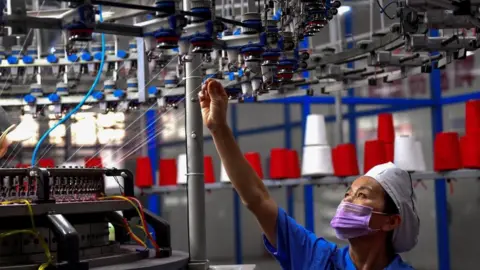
352,220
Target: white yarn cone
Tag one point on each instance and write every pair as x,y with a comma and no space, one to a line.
246,88
232,56
421,165
316,132
405,153
256,83
317,160
182,169
223,175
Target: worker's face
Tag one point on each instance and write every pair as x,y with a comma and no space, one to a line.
368,192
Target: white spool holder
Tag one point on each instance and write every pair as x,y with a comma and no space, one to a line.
316,132
406,154
317,160
182,169
422,166
223,175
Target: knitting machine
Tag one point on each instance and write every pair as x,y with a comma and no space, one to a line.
259,56
67,213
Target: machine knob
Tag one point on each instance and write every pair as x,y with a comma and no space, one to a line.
98,95
54,98
30,99
86,56
51,58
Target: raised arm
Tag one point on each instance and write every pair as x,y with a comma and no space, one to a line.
252,191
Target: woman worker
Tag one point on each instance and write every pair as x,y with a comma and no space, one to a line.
377,216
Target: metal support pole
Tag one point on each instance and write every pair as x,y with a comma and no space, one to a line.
443,236
308,189
251,6
338,118
142,70
237,218
352,121
38,40
195,178
152,151
333,32
288,145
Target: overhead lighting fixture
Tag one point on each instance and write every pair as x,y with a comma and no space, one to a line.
344,9
105,15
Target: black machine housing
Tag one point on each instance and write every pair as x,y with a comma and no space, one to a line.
73,219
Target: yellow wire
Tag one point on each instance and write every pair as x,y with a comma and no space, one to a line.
40,239
30,209
33,231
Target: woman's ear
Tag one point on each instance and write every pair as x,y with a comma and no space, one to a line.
392,222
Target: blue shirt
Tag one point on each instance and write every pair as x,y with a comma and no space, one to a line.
300,249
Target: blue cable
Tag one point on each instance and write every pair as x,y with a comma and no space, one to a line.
68,115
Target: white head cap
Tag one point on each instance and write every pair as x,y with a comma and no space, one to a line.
398,185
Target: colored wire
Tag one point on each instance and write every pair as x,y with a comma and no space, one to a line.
139,208
30,209
82,102
132,234
144,223
33,232
40,239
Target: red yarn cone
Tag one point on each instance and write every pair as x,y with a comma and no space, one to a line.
46,163
93,162
389,151
374,154
209,172
278,163
345,162
472,117
470,149
447,154
22,165
255,161
143,173
385,129
167,172
293,164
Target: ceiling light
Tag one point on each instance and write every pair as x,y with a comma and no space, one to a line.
344,9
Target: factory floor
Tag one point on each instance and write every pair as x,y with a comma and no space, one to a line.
264,263
261,263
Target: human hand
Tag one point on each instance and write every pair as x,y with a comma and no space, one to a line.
4,144
214,104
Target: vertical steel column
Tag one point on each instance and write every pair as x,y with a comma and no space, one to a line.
288,144
307,189
142,70
352,121
152,151
333,28
195,178
237,218
251,6
38,39
443,238
338,134
197,242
